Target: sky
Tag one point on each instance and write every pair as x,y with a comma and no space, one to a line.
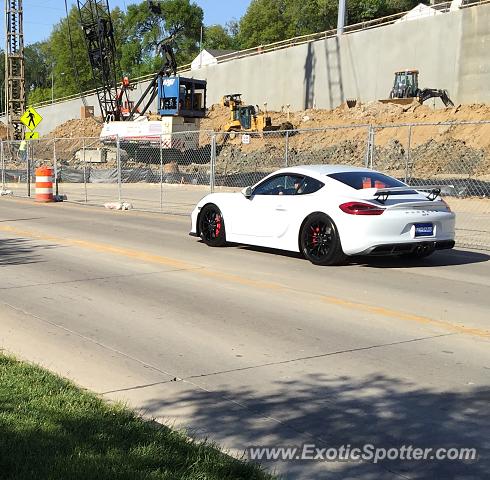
41,15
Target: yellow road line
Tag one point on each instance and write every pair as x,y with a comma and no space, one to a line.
237,279
101,247
386,312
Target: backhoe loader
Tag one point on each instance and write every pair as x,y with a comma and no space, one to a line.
406,88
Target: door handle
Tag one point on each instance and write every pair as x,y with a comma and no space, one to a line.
280,208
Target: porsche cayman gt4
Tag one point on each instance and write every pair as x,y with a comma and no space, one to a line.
328,213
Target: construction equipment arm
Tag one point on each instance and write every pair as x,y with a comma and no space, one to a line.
427,93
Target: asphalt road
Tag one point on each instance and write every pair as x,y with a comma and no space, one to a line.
255,347
472,214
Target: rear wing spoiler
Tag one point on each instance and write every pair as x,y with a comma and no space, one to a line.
382,194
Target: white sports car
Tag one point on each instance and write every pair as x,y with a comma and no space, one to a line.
329,212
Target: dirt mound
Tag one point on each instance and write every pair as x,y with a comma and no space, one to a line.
373,113
438,148
216,119
77,128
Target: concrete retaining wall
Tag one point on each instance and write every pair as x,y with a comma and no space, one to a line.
450,50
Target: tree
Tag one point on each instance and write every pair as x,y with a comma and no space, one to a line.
38,95
217,37
268,21
63,59
37,72
146,30
69,60
363,10
264,22
137,33
312,16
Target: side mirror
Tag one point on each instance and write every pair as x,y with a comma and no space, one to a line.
247,192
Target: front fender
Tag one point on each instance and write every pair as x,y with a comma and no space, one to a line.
224,201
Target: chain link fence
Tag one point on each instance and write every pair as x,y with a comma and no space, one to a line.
172,172
452,154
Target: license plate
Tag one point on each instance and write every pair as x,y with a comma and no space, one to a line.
424,230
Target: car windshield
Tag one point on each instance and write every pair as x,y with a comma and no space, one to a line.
367,179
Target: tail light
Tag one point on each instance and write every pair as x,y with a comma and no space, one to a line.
359,208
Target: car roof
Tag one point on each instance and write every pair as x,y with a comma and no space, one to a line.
319,171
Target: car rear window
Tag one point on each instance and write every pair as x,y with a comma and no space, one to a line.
360,180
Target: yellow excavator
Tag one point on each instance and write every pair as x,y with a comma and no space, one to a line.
248,118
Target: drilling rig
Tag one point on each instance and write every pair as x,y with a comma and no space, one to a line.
180,102
15,99
98,30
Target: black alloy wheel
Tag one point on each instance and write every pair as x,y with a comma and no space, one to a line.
320,242
212,226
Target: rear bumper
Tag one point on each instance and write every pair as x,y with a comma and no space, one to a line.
394,231
409,247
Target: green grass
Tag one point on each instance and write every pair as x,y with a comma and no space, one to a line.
50,429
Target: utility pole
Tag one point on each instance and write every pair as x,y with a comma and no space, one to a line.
200,50
341,17
15,95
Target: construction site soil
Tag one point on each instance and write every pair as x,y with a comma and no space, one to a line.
341,136
435,149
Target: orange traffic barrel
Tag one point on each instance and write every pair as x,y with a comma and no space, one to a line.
44,184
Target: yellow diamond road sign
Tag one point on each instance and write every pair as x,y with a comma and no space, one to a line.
31,119
31,135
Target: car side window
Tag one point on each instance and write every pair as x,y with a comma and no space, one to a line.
279,185
309,185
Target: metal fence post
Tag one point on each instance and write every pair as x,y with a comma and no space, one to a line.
118,161
407,156
368,148
161,173
367,160
84,172
28,168
2,153
212,176
286,157
55,165
373,148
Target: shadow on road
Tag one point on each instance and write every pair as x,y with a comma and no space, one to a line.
271,251
333,411
19,251
437,259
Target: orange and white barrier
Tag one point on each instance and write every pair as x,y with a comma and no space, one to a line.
44,184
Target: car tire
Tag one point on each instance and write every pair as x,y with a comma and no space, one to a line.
320,241
212,226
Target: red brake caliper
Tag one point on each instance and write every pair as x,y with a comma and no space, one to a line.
218,225
314,235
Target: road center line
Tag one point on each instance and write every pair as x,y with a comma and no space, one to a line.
238,279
